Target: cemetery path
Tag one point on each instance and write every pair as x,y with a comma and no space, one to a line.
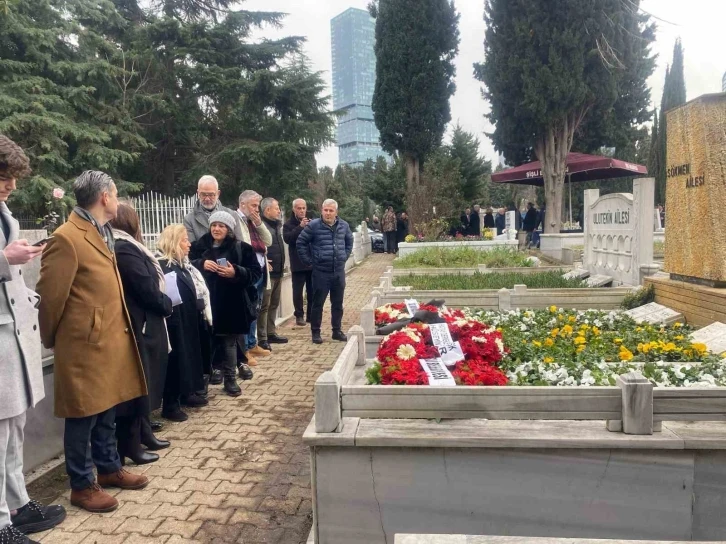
237,470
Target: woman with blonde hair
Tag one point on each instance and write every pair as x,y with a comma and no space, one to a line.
184,375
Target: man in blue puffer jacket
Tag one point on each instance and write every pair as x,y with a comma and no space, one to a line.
326,244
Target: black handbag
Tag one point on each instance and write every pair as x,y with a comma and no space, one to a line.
252,302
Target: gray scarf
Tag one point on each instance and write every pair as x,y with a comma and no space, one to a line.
105,231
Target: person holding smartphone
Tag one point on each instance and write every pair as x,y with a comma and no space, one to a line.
231,271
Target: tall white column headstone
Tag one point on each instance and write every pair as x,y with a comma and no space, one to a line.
509,224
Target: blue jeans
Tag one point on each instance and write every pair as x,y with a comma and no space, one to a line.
90,441
252,335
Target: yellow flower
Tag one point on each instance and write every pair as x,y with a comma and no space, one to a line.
549,343
559,317
618,340
548,360
572,319
581,348
638,329
644,348
699,348
554,332
579,340
567,329
596,331
679,337
670,346
537,343
677,325
553,309
499,329
625,354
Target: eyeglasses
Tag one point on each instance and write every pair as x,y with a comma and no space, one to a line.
207,195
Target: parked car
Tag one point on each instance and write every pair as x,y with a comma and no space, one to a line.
376,241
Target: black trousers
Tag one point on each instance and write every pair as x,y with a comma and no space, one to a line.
89,441
300,280
225,354
324,283
391,245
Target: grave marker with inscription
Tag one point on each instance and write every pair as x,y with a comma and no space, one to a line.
619,232
714,336
655,313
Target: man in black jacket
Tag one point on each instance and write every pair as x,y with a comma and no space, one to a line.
302,274
326,244
266,331
530,221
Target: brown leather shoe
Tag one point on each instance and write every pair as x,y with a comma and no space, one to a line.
259,351
94,499
123,479
250,359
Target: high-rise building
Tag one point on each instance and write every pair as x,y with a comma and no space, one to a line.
723,82
353,38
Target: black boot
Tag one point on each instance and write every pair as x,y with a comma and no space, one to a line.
339,335
139,457
317,339
245,372
34,517
204,392
231,387
10,535
148,439
216,377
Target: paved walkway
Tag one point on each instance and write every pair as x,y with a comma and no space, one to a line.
237,470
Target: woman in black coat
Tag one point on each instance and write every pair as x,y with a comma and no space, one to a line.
231,269
489,219
147,305
184,376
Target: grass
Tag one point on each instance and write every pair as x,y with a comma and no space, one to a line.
642,296
463,257
496,280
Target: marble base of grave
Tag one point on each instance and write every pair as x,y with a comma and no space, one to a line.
406,248
599,280
553,244
655,313
568,479
477,539
700,305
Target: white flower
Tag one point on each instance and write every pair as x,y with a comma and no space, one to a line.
480,339
677,372
587,378
58,193
500,345
412,335
406,352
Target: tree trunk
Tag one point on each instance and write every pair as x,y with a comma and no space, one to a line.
413,190
551,149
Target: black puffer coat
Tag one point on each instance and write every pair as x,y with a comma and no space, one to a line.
275,252
325,247
227,294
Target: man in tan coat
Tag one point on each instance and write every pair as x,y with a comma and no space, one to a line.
97,364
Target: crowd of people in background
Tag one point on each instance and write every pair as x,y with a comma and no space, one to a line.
395,228
135,330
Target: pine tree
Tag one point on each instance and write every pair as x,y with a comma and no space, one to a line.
416,43
552,69
473,168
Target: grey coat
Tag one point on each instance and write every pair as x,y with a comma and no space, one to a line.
21,367
197,222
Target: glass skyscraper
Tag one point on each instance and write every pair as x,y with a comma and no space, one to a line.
353,37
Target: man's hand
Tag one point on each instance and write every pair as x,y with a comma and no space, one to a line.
304,222
226,272
211,266
20,252
269,265
255,216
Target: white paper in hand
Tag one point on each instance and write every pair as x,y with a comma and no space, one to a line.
172,289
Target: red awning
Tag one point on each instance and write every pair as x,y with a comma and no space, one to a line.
580,167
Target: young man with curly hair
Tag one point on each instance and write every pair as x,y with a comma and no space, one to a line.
21,386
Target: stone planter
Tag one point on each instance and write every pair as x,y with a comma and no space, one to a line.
553,244
406,248
388,460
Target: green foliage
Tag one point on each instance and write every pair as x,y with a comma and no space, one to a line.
473,168
373,374
554,77
644,295
674,94
463,257
416,43
495,280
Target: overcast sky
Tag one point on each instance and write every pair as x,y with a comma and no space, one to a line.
701,25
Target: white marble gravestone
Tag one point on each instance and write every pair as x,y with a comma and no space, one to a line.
714,336
619,232
655,313
510,224
578,273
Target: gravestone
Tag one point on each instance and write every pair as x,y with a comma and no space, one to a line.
655,313
696,191
579,273
510,224
599,280
619,232
714,336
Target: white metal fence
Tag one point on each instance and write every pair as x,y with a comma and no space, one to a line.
156,211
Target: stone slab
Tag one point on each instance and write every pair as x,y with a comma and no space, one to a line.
655,313
367,495
599,280
481,539
579,273
714,336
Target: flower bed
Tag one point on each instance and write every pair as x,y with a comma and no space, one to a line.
550,347
462,257
551,279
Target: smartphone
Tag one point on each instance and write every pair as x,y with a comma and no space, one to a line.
222,262
41,242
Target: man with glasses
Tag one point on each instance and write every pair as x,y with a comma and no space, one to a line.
197,221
